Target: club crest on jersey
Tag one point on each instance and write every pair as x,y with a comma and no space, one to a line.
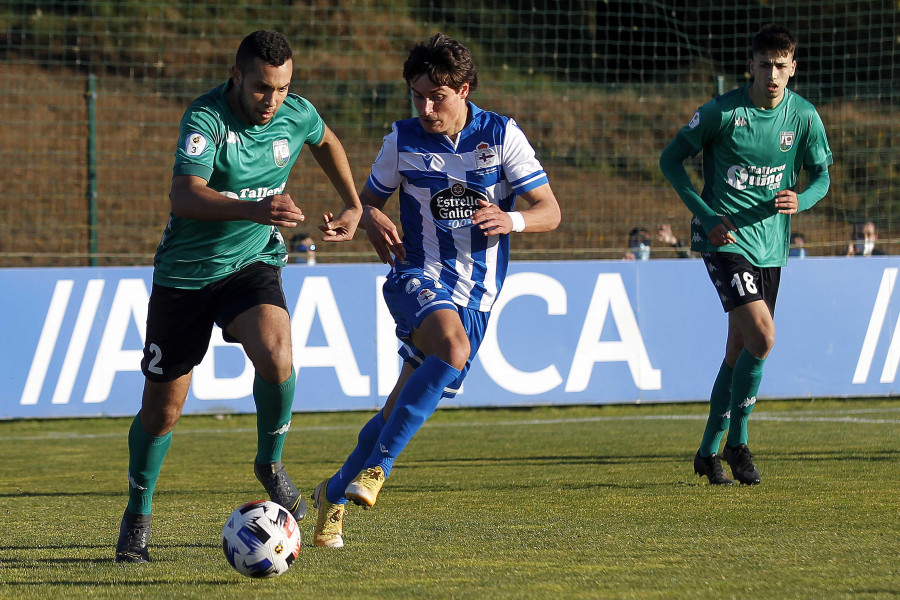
787,141
195,144
425,296
453,207
281,151
485,155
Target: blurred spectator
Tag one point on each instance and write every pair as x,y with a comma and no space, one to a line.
303,249
863,238
638,244
798,245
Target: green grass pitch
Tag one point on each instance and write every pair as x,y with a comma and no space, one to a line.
566,502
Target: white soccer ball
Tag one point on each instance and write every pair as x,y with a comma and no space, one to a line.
261,539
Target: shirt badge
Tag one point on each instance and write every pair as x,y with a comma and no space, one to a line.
787,141
281,151
194,144
484,154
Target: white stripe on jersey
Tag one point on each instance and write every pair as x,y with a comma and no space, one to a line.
492,159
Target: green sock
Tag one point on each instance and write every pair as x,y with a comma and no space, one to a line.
719,415
748,372
145,459
273,416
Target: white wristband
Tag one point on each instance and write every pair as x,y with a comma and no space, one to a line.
518,221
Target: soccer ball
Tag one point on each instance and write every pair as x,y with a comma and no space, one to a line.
261,539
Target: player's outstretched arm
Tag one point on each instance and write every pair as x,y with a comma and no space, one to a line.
334,163
380,230
542,215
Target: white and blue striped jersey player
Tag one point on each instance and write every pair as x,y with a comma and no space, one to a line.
449,262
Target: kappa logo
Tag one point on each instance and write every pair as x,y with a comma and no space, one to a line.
748,402
195,144
282,430
134,483
740,122
281,152
786,141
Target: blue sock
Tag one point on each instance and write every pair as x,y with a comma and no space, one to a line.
368,437
417,402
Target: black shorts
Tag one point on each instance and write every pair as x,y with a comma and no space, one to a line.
738,282
180,322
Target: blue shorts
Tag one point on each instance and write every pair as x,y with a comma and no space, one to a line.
411,296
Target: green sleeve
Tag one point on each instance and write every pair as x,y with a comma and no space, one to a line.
819,181
672,164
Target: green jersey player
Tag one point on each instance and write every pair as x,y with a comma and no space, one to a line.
219,262
754,140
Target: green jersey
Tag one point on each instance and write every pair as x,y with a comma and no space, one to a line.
239,160
749,154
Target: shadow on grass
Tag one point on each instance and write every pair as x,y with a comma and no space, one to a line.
887,454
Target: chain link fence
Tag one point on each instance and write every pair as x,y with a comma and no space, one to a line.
94,91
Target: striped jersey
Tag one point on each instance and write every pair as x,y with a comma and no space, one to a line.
440,183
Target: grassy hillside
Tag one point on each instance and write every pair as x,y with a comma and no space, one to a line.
599,143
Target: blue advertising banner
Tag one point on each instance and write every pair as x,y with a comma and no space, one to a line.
560,333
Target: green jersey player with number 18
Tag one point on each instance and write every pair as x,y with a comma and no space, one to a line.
754,140
219,262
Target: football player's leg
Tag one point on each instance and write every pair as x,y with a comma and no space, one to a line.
719,411
264,333
148,441
365,443
443,340
758,330
149,438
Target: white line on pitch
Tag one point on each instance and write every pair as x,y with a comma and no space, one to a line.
784,417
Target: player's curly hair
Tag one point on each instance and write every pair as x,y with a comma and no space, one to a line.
444,60
774,38
269,46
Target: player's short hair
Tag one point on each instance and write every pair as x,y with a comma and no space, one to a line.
774,38
268,46
444,60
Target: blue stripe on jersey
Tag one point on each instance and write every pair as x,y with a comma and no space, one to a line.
423,166
530,182
380,190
